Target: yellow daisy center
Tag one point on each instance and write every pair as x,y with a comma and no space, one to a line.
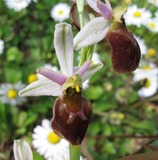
12,93
146,67
53,138
152,25
121,116
128,1
32,77
137,14
60,12
148,83
151,52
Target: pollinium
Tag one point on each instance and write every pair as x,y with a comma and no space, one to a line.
71,117
125,49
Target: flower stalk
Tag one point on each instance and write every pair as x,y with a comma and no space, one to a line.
74,152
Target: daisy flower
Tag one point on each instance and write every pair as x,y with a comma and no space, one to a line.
151,52
142,45
150,74
17,5
48,144
60,12
153,2
35,76
136,16
1,46
9,93
32,78
152,24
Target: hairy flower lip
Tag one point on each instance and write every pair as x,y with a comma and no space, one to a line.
71,125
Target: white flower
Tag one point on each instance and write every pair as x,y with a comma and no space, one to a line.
60,12
152,24
17,5
136,16
142,45
48,144
9,93
1,46
55,82
150,73
153,2
22,150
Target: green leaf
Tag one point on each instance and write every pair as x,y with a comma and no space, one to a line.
10,73
94,93
14,54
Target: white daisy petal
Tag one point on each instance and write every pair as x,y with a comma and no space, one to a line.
63,43
93,32
41,87
17,5
142,45
1,46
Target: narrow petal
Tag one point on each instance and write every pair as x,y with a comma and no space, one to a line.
52,75
63,43
83,68
92,33
93,5
41,87
105,11
92,69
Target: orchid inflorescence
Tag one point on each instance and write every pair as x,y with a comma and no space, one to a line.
72,111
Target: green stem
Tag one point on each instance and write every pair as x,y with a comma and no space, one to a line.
80,8
74,152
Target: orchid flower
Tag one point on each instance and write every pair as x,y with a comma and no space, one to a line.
54,83
97,28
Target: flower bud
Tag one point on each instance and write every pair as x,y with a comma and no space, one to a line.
125,49
71,117
22,150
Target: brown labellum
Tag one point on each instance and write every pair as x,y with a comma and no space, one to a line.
71,117
125,49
